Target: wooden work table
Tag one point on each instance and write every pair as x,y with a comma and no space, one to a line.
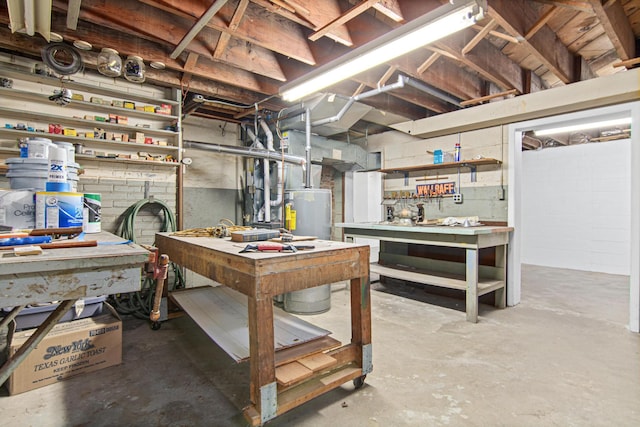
435,261
66,275
261,276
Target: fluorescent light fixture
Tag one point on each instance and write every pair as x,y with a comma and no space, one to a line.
584,126
441,22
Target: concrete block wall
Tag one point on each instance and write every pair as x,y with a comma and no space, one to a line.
485,198
121,185
212,181
576,210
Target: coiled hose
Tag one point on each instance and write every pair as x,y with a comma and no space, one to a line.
140,304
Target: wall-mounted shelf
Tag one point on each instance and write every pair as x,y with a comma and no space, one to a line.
27,103
88,106
24,74
85,158
471,164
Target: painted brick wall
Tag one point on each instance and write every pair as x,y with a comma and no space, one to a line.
122,185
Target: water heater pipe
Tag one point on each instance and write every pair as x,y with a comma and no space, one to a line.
307,149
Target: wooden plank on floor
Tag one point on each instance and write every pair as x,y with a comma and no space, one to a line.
317,362
222,312
292,373
300,351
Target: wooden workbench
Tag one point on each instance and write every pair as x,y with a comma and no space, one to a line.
397,260
66,275
261,276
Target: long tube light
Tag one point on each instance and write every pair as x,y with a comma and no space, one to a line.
584,126
441,22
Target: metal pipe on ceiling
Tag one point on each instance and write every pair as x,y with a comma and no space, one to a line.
247,152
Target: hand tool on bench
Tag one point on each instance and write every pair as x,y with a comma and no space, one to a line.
57,245
268,247
274,247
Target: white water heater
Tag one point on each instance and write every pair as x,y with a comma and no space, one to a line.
313,218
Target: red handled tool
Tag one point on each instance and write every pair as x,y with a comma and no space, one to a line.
274,247
268,247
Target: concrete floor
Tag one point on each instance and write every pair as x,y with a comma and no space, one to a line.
563,357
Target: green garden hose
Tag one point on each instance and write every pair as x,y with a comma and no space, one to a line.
140,304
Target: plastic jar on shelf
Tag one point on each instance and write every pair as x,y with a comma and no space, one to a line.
134,69
109,62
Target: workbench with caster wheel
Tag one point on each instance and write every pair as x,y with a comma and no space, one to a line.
260,276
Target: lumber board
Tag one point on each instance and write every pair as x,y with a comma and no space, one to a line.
292,373
317,362
303,350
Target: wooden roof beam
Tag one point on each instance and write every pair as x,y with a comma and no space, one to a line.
499,35
617,27
390,9
481,35
541,22
316,15
482,99
199,25
269,31
221,47
486,59
347,16
577,5
429,62
114,15
517,17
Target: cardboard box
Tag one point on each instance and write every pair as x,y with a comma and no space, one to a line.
70,349
140,137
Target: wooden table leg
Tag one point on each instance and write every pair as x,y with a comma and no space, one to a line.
263,385
472,285
361,320
500,300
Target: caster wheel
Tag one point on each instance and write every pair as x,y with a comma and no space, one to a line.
359,382
156,325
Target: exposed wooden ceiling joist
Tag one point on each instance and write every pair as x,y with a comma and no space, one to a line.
248,48
617,27
517,17
356,10
199,25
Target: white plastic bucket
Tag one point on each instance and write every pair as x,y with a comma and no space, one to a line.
38,148
25,173
70,150
57,164
27,179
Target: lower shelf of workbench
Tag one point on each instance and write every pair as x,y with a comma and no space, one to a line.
451,281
